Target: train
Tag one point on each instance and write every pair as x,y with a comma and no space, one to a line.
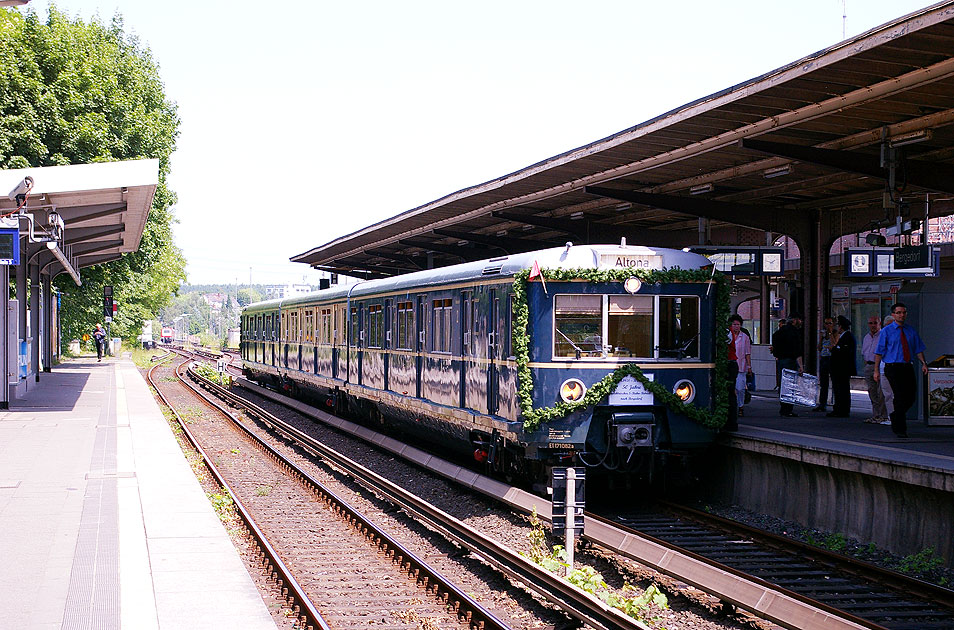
607,357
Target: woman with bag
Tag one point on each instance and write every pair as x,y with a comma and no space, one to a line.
743,354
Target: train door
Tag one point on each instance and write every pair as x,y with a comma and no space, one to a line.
359,345
386,344
419,345
493,325
467,342
336,328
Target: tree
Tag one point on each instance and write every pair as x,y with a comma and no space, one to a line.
76,93
247,296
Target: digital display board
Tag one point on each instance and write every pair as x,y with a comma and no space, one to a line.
9,246
880,261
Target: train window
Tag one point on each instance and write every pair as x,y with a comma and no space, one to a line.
375,326
578,326
511,322
268,328
354,327
679,327
442,325
405,325
467,321
292,327
309,326
325,326
630,326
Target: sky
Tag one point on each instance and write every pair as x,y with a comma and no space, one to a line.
306,120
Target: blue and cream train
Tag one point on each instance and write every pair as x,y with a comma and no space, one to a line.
602,356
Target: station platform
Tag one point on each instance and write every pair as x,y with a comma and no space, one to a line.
104,523
925,458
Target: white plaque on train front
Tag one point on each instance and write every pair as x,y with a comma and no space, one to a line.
629,260
629,391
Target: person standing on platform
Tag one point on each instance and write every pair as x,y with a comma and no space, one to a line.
99,337
843,350
778,369
824,362
787,346
743,353
897,347
732,373
883,382
879,412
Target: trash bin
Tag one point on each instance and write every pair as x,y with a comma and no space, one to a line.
117,346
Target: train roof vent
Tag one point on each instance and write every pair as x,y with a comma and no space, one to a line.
493,269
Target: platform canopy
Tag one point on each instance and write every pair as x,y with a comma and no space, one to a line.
103,207
797,151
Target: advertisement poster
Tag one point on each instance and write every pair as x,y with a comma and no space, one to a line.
940,396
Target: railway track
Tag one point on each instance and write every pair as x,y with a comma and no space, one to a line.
354,571
872,596
577,605
574,603
270,562
858,604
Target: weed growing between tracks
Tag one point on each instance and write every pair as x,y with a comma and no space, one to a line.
641,607
924,565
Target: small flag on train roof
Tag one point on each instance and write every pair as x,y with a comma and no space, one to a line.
534,272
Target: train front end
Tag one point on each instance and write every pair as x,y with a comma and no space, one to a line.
623,357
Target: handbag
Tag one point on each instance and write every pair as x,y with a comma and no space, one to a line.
749,386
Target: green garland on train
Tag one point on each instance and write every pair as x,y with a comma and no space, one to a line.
533,418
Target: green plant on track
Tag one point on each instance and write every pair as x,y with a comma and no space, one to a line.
587,579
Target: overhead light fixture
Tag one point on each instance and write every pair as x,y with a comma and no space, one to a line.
701,189
875,240
63,260
577,215
778,171
910,138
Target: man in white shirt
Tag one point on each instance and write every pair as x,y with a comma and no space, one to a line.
879,412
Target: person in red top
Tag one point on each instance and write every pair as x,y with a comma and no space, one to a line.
732,369
743,353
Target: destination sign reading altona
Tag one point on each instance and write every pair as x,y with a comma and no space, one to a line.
630,261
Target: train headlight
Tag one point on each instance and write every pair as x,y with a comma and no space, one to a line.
684,390
572,390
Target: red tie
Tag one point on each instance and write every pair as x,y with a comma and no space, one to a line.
904,347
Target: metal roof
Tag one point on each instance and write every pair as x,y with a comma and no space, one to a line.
104,208
817,125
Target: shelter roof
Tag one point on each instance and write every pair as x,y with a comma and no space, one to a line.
104,206
768,155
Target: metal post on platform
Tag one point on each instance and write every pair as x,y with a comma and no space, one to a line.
4,336
47,309
33,272
571,508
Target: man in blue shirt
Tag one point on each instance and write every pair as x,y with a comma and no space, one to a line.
898,344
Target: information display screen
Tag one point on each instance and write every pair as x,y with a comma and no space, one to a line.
9,247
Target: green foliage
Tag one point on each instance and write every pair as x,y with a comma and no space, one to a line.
248,296
222,503
923,561
209,373
587,579
77,93
533,418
